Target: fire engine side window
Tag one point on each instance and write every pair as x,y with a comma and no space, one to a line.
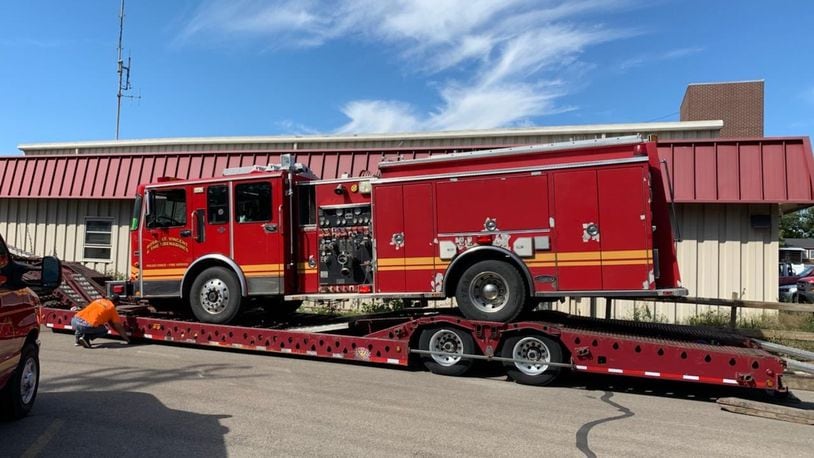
170,208
306,198
253,202
217,204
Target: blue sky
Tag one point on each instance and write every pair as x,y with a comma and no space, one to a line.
250,67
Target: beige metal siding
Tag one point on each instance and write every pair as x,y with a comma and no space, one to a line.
55,226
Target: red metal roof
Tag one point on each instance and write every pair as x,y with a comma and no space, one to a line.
760,170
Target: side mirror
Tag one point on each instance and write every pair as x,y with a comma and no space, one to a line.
51,272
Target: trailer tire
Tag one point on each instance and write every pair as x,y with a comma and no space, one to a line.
215,295
450,340
532,347
491,290
17,398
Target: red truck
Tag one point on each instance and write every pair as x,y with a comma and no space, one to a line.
19,328
499,230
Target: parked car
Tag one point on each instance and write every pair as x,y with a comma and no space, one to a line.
805,290
19,328
788,282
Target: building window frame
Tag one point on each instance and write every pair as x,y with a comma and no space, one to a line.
98,245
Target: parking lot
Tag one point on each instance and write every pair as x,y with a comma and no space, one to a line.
160,399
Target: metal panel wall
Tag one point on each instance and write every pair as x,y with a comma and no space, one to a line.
57,226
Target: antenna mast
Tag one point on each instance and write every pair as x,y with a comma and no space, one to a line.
123,71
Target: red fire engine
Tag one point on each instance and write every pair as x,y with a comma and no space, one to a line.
499,230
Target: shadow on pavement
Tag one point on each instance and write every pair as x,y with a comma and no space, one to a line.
111,423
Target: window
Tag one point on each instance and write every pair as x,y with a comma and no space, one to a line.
307,205
98,238
253,202
169,208
217,204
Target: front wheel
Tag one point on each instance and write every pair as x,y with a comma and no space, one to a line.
492,291
530,354
452,342
215,296
17,398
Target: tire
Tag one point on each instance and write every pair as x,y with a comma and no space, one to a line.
489,278
450,340
19,394
215,296
532,347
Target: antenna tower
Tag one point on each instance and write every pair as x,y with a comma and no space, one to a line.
123,72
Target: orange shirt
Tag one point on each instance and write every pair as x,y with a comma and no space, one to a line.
99,312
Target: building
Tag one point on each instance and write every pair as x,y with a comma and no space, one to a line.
75,200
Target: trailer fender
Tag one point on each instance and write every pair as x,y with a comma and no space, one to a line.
480,253
212,260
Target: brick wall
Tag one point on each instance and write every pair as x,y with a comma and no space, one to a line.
738,104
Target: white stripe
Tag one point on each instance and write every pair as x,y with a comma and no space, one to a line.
690,377
311,353
168,338
260,348
581,368
615,371
67,326
49,325
237,345
148,336
338,355
392,361
652,374
214,343
730,381
285,350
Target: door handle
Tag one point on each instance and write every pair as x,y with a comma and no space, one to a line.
186,233
270,227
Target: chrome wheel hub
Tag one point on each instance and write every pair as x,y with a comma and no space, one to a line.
446,341
533,350
28,385
214,296
489,292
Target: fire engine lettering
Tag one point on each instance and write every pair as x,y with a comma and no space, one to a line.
502,240
437,282
167,242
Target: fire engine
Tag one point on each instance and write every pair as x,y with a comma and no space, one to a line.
498,230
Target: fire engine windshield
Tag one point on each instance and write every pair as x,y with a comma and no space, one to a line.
169,208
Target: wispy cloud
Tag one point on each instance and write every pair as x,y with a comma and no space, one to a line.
514,52
642,59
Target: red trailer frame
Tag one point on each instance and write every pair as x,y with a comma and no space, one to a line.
633,349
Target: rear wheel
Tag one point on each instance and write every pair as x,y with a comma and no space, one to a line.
215,295
17,398
491,290
533,351
447,340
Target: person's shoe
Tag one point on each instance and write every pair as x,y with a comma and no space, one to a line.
85,342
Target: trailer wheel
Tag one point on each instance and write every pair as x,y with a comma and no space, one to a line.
532,348
215,296
17,398
491,290
448,340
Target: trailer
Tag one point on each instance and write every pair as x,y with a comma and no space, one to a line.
534,350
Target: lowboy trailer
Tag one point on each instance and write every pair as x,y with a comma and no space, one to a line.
534,350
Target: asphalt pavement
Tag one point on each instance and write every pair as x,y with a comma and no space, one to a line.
164,400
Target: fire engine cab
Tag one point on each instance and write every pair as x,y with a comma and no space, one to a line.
498,230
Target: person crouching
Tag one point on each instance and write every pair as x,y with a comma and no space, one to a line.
92,321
